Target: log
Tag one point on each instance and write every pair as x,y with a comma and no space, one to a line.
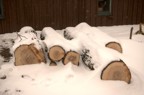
114,45
52,63
116,70
56,53
73,57
28,54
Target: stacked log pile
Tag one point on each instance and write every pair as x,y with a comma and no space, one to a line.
30,48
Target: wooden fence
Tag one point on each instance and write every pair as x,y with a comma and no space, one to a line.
62,13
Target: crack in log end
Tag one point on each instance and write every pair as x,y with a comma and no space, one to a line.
72,58
28,54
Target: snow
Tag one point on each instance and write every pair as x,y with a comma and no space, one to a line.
42,79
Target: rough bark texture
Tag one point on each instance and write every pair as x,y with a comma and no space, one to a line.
73,57
116,70
56,53
28,54
114,45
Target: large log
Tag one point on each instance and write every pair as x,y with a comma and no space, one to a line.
28,54
116,70
73,57
114,45
56,53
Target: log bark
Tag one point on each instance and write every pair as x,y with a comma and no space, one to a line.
73,57
28,54
116,70
114,45
56,53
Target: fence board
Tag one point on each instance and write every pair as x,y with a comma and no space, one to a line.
60,14
142,19
135,7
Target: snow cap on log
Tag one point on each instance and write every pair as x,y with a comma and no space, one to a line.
53,38
28,47
26,36
84,31
26,29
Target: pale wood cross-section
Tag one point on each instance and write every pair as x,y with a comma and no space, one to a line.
73,57
116,70
56,53
28,54
114,45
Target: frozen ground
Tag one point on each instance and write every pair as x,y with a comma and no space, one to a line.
42,79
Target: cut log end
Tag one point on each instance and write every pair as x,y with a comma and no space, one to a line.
116,70
73,57
28,54
56,53
114,45
52,63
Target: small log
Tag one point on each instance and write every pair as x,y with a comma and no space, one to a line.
114,45
52,63
56,53
28,54
73,57
116,70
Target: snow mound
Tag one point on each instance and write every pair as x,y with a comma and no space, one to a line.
42,79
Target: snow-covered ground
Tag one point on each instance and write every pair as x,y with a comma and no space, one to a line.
42,79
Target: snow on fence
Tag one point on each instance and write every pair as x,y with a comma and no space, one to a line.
79,45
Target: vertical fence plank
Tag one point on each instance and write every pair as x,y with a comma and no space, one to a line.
75,12
135,7
130,11
114,11
93,11
142,15
125,11
88,11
